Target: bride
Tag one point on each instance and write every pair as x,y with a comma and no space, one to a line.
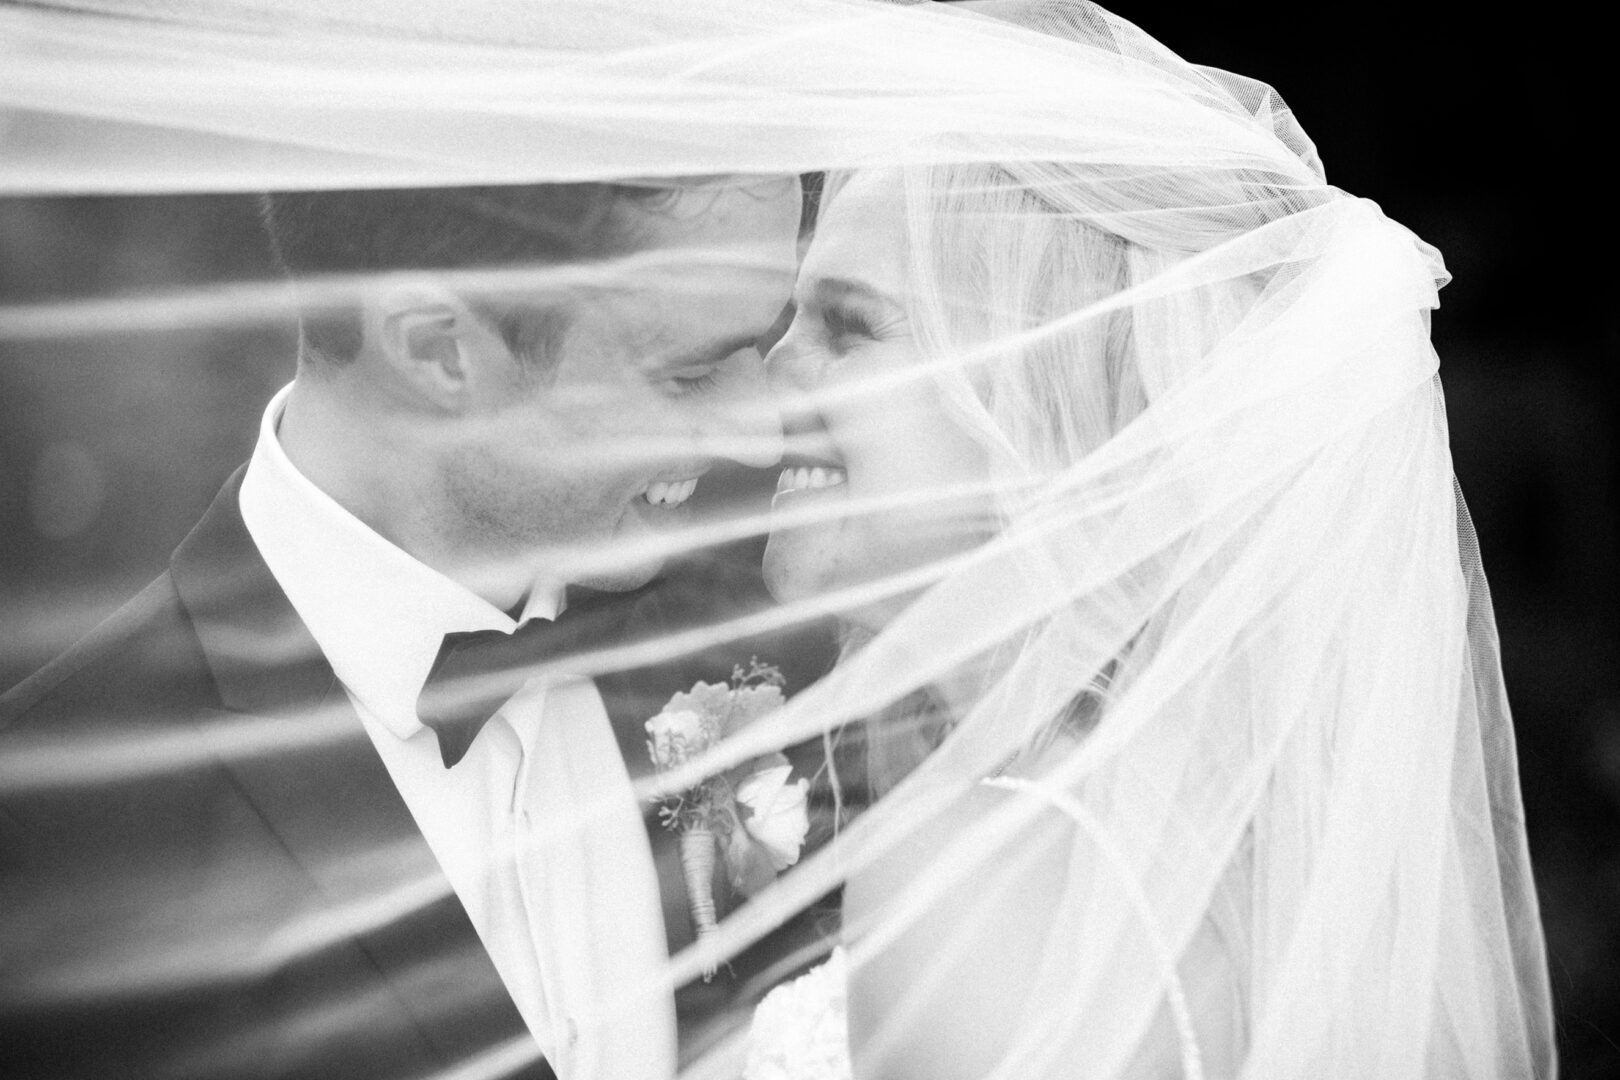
1137,479
1170,698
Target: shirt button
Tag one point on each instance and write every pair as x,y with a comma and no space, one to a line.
573,1032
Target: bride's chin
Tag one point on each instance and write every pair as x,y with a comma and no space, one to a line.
809,562
798,563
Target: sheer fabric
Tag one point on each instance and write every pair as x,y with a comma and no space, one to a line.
1233,660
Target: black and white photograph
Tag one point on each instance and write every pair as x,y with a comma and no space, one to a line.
806,540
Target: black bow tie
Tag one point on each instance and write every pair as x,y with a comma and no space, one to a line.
478,670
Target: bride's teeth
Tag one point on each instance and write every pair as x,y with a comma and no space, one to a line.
809,478
657,492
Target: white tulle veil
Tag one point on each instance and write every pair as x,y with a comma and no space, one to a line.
1236,664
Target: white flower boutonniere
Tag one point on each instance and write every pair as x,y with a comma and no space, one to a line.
775,819
751,812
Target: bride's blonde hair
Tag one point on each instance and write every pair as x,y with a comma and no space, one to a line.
1013,269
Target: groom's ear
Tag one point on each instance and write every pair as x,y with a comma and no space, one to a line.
434,346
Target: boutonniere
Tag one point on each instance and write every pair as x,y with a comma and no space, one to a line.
752,812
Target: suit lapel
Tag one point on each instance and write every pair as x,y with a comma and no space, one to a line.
632,697
310,771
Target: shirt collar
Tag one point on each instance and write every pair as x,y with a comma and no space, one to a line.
377,613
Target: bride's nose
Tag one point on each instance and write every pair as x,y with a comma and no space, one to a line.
790,377
791,369
747,428
795,376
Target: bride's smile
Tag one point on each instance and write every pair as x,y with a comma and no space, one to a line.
809,478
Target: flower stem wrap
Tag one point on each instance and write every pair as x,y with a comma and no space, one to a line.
697,866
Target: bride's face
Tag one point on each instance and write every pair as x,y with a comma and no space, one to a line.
872,450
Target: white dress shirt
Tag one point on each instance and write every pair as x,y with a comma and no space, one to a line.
537,828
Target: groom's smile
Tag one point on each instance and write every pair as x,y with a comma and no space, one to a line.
670,493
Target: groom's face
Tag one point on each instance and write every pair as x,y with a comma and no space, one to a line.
587,465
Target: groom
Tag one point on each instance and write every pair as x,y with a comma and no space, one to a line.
233,840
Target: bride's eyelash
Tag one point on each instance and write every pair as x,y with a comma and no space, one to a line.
843,323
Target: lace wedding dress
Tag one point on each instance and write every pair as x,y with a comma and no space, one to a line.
800,1030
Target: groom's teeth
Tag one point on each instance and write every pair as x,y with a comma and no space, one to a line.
670,493
801,479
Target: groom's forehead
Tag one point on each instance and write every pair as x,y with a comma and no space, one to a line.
701,316
710,270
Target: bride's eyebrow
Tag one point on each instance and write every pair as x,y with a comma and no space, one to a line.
828,292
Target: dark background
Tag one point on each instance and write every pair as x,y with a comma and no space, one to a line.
1478,133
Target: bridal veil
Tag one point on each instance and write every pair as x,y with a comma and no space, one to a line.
1247,564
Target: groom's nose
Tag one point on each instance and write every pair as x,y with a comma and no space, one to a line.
746,427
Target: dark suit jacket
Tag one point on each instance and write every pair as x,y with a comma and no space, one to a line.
205,870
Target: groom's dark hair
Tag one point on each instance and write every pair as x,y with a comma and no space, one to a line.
319,233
